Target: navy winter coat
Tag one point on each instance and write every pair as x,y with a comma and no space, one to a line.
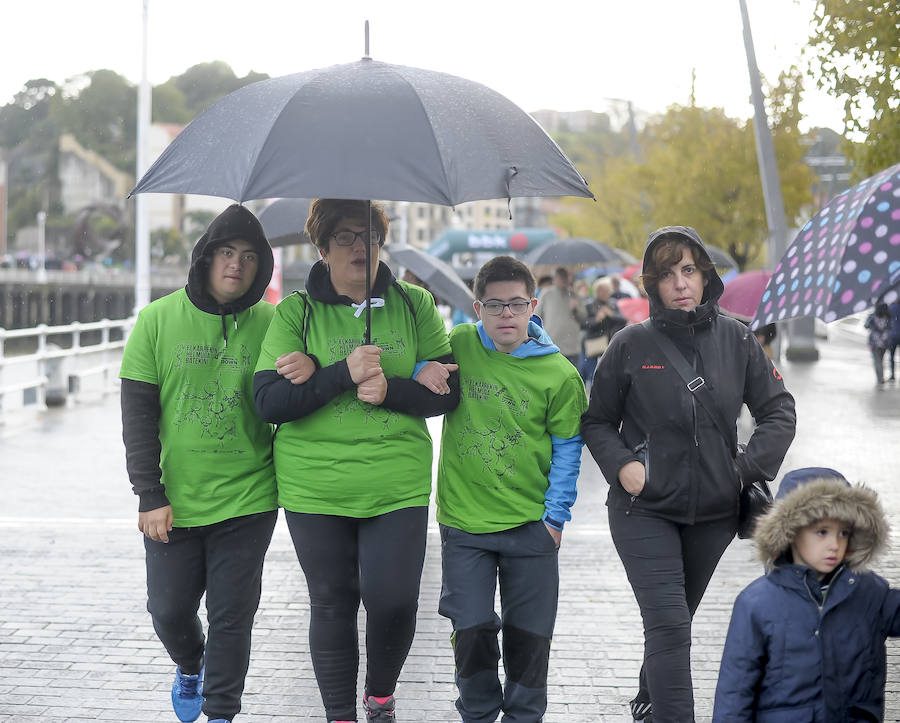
793,655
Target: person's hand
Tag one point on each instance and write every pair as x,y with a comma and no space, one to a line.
295,366
434,375
373,390
632,477
574,304
364,363
156,524
602,313
555,534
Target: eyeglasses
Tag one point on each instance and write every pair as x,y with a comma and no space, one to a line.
348,238
495,308
228,253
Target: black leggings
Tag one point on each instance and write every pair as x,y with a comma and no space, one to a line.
376,560
669,566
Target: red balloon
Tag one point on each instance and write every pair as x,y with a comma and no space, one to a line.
518,242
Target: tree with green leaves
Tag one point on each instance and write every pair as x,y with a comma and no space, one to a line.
696,167
855,48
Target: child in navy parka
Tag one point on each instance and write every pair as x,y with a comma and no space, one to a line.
807,641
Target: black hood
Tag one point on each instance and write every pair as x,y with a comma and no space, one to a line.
320,288
235,222
708,306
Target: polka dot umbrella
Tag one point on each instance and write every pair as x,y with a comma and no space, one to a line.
842,259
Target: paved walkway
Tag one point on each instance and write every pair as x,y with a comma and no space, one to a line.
76,643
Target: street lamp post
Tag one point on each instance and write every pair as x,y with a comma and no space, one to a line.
802,345
42,246
142,228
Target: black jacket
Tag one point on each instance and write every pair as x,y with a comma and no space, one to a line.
641,410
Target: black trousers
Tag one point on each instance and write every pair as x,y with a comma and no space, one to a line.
224,560
669,566
377,561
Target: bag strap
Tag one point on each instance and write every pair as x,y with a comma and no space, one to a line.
695,383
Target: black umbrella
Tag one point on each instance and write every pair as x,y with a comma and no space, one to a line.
284,221
365,130
574,252
720,258
436,274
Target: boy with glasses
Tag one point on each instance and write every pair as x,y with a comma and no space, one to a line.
510,457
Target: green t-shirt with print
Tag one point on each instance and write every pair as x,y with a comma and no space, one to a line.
216,457
349,457
495,446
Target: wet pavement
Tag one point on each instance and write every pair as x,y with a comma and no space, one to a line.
76,643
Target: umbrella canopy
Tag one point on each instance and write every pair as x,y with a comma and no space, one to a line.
742,294
284,221
721,259
365,130
437,275
573,252
842,258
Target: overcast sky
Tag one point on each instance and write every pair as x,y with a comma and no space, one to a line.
571,55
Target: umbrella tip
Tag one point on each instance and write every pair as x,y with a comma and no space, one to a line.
367,56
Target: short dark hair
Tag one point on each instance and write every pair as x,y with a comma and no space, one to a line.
666,252
503,268
325,213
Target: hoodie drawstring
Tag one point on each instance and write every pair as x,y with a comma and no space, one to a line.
375,302
224,316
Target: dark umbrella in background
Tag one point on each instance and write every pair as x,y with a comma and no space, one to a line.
574,252
437,275
842,259
284,221
365,130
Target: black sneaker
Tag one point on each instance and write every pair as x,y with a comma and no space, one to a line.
379,712
641,710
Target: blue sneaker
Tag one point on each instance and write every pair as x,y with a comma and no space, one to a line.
187,695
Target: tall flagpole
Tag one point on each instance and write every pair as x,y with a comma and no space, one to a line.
802,340
141,226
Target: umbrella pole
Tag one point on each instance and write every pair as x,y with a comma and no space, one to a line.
368,273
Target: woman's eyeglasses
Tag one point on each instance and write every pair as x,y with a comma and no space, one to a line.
348,238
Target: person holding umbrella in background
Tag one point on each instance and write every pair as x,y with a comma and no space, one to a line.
674,470
200,460
352,452
561,313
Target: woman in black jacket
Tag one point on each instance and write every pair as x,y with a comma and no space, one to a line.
674,478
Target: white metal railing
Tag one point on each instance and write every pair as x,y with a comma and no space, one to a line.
26,378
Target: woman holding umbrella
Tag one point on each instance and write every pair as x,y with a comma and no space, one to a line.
674,478
352,453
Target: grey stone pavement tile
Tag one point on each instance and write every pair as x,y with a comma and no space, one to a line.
76,643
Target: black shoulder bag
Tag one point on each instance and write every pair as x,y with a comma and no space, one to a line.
755,498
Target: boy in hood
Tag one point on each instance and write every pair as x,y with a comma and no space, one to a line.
510,457
200,461
806,641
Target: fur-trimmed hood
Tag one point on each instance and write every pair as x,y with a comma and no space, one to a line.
811,494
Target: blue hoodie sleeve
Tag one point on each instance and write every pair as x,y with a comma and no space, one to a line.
565,463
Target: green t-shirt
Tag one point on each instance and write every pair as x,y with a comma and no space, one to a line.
349,457
216,457
495,446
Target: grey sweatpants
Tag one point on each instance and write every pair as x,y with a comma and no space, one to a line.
524,560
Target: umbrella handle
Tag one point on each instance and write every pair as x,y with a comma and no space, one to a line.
368,338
